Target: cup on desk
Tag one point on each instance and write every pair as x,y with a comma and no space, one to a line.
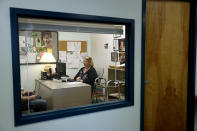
43,75
64,79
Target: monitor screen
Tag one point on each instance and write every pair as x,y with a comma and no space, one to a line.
61,69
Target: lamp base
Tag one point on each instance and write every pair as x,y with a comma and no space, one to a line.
48,69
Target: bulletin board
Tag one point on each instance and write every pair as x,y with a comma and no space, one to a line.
63,46
72,53
33,44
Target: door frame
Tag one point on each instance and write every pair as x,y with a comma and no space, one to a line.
191,65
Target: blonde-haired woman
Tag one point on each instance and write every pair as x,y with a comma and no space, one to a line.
87,74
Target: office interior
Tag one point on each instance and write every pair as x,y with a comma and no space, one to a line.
90,39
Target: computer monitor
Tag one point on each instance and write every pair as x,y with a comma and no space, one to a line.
61,69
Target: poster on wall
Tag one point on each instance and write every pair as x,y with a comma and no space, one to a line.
33,44
121,45
114,56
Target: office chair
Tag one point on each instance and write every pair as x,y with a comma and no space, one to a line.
99,91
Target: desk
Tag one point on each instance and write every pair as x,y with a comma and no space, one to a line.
63,94
120,74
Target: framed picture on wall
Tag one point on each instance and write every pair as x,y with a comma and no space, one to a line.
47,39
121,45
122,57
114,56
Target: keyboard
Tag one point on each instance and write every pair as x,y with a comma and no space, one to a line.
70,80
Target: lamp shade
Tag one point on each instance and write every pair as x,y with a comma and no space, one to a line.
47,57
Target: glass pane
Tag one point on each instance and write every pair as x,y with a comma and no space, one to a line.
66,64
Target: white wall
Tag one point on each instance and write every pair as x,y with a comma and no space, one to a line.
126,119
100,55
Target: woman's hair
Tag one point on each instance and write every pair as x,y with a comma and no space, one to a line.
89,59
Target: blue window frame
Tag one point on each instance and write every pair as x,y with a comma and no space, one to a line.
15,13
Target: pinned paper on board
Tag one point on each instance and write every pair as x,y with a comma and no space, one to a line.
70,46
77,46
62,56
31,57
22,41
30,41
73,59
74,46
38,42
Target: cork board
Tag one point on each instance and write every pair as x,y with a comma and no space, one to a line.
63,45
33,44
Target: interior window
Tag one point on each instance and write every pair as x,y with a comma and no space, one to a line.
65,64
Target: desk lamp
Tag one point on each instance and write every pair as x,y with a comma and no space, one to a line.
47,58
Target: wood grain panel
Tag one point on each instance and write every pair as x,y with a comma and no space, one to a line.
167,38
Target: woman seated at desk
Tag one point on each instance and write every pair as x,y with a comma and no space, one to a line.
87,74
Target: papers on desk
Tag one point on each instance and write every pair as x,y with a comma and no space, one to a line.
73,83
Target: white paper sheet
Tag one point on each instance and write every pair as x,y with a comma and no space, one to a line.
70,46
30,40
73,83
31,57
73,59
23,59
74,46
62,56
77,46
22,41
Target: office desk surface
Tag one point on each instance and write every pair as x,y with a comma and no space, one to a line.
64,94
51,84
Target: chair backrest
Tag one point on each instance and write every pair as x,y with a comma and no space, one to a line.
99,95
100,81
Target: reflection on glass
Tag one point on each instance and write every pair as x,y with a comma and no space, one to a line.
68,64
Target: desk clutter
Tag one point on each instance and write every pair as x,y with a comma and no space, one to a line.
60,72
60,95
111,90
43,75
64,79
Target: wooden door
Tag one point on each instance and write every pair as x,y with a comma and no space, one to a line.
167,40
